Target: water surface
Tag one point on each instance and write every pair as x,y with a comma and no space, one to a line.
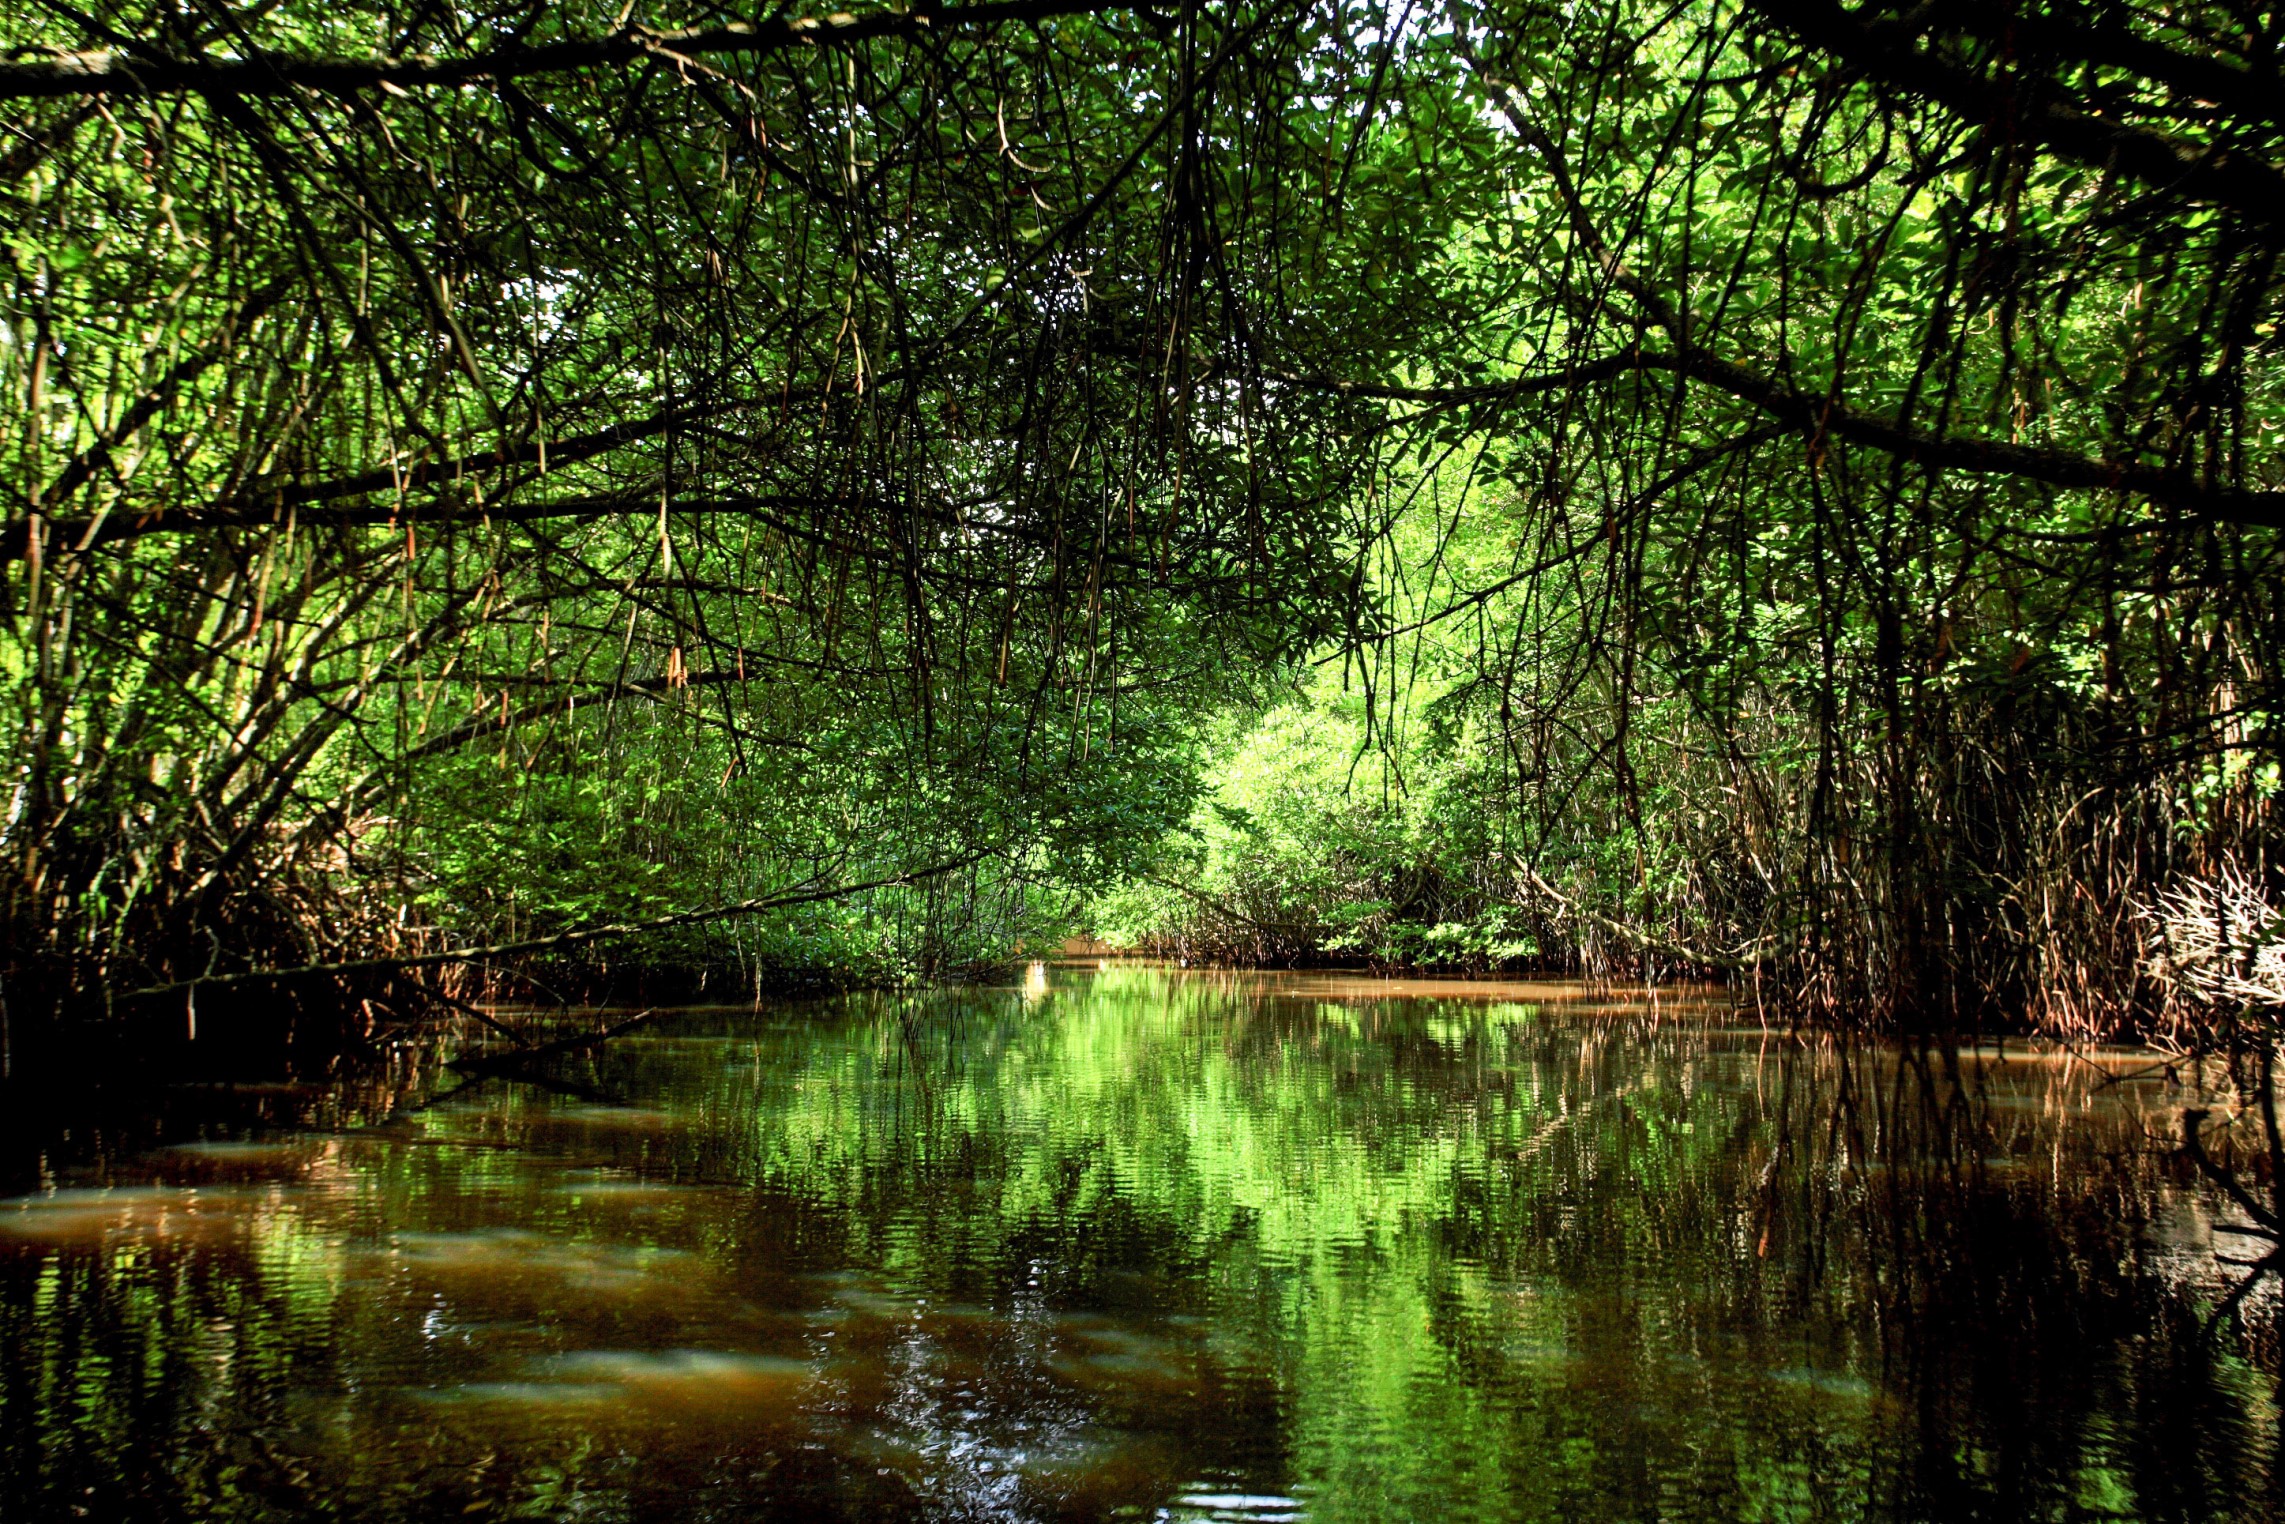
1148,1245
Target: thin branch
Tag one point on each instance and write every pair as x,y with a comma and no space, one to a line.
118,72
562,939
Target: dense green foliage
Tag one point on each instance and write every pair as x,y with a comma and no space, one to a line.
1759,486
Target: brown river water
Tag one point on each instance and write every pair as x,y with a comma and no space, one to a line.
1135,1243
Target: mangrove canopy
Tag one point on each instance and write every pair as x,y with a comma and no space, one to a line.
570,494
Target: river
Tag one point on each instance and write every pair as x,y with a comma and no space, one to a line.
1137,1243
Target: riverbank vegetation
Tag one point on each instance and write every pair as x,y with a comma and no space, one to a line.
545,498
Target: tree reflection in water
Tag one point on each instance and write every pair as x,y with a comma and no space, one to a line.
1146,1243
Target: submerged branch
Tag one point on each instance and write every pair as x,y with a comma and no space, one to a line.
522,1054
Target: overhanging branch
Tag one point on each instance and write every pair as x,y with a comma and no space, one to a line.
120,72
562,939
1888,52
1819,417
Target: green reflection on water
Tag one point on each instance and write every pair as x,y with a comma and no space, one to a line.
1142,1244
